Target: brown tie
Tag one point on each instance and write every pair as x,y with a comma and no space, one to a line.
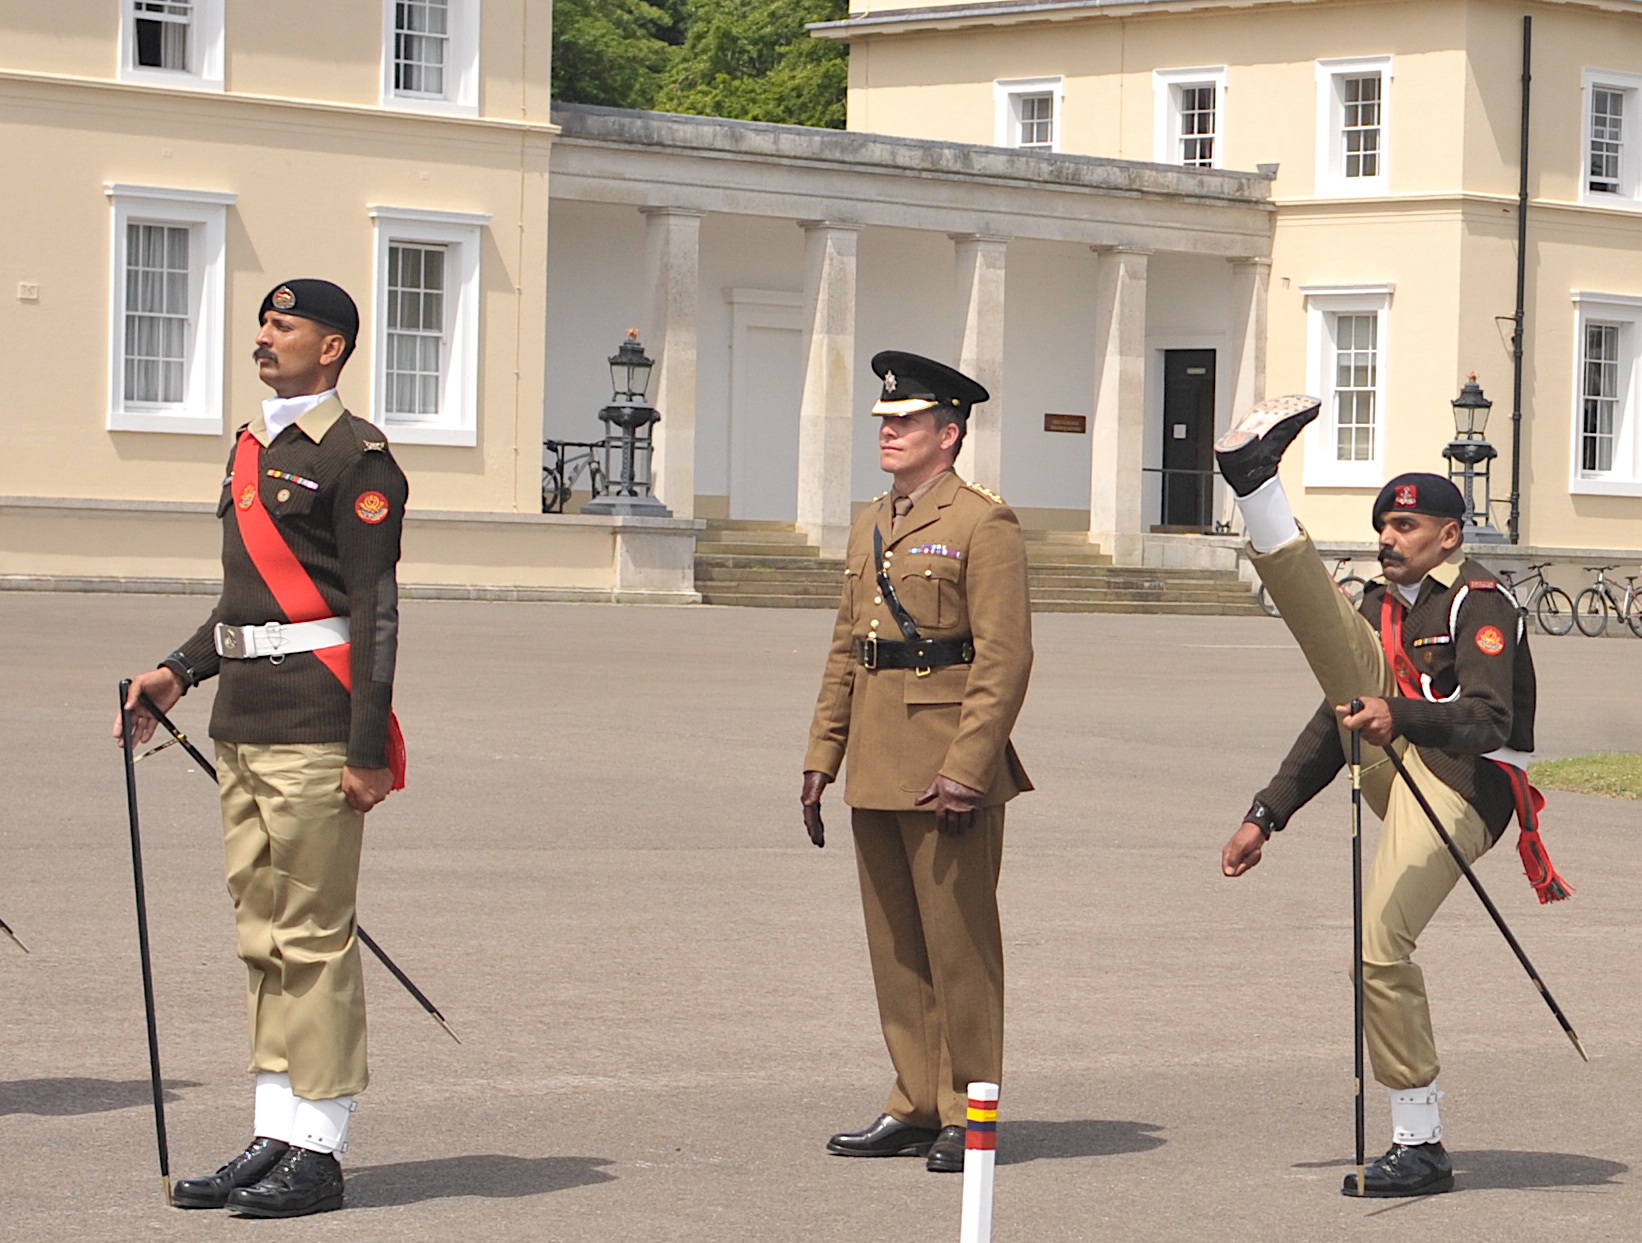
902,506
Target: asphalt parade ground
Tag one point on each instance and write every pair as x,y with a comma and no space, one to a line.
662,991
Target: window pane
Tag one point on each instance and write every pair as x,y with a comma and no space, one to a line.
1607,139
1599,399
161,29
1356,373
421,46
1360,125
414,363
156,313
1197,125
1037,120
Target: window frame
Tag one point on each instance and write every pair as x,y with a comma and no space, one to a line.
1629,194
1331,181
1006,119
1625,479
1323,468
205,214
1167,85
462,234
461,97
205,50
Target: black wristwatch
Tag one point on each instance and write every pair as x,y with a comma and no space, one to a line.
178,664
1265,817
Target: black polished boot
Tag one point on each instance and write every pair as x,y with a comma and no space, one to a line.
887,1137
1249,452
304,1182
251,1166
1405,1170
946,1154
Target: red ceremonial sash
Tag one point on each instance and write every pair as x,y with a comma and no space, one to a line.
291,585
1536,864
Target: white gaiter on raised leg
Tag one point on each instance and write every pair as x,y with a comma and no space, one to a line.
323,1125
1414,1116
1267,517
276,1107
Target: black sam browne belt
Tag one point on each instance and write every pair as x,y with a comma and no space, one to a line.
876,653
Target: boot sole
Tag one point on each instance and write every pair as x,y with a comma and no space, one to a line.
183,1202
911,1150
1262,418
328,1205
1430,1189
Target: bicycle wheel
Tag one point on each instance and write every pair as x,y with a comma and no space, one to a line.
1591,613
1554,611
1266,606
1633,614
554,493
1352,587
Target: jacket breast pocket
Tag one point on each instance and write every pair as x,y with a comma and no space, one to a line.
284,499
930,590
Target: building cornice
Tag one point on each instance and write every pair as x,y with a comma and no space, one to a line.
210,101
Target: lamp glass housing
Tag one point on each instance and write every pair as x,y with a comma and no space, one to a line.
630,371
1471,412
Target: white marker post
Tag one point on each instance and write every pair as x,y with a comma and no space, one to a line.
980,1162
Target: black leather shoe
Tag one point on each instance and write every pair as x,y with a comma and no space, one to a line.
946,1154
304,1182
887,1137
1405,1170
251,1166
1252,447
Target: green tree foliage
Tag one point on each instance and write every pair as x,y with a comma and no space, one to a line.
753,60
748,59
613,52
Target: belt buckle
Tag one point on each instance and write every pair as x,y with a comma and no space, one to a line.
922,671
869,652
230,641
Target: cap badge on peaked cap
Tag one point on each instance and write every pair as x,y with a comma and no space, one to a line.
889,381
283,298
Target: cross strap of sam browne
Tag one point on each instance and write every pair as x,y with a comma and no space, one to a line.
903,619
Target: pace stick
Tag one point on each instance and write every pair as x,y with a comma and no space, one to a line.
1357,937
210,770
15,939
1487,902
155,1081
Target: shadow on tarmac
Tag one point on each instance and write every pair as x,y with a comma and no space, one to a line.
66,1098
1019,1142
492,1176
1492,1169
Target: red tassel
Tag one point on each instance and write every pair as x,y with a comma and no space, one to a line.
1542,874
396,754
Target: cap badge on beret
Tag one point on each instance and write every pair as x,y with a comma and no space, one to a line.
889,381
1408,496
283,298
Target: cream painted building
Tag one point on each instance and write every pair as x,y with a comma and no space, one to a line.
1392,127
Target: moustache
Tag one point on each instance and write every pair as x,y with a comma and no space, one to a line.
262,355
1390,556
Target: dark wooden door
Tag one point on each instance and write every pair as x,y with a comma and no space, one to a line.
1188,438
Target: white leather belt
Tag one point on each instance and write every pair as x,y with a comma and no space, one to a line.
279,638
1516,759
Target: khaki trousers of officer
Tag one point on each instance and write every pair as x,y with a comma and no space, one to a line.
292,845
931,907
1412,871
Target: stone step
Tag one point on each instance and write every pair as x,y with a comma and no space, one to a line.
749,548
750,524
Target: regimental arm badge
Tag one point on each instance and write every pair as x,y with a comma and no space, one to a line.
372,507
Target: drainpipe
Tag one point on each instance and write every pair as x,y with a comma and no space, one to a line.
1514,527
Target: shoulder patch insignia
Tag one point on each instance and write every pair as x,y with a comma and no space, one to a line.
372,507
988,494
1490,642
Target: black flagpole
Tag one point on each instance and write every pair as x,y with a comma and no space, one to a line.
1357,934
142,940
1487,902
210,770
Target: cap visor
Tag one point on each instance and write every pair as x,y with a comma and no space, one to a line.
910,406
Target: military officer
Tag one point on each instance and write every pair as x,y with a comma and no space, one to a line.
304,638
1439,658
928,668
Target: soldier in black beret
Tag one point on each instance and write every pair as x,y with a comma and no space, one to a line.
1438,655
304,638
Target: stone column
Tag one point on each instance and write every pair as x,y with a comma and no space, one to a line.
1117,446
981,273
826,414
1246,369
672,271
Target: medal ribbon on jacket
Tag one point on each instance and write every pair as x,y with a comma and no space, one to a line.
1536,863
290,583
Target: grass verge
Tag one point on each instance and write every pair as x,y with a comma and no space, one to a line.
1614,774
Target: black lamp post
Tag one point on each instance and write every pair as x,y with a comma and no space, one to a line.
628,446
1470,457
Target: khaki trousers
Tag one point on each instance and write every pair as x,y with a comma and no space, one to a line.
1412,872
931,909
292,845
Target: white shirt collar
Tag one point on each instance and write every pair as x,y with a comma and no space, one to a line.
1409,594
278,413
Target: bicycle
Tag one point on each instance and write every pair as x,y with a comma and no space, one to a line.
560,476
1592,605
1350,585
1551,607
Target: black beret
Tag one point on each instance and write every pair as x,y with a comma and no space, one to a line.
320,301
1419,493
913,383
